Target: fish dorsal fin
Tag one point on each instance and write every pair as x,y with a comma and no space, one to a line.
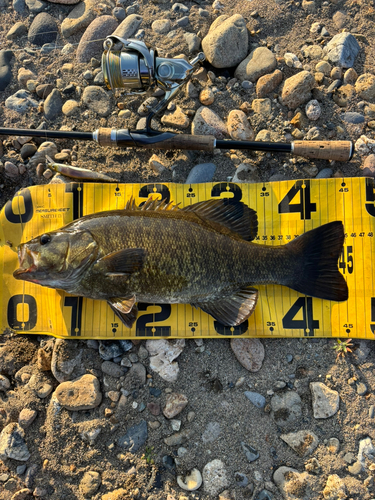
234,310
126,261
151,204
125,309
234,215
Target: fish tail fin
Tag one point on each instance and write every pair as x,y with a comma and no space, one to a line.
318,251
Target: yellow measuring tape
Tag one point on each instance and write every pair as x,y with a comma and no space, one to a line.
285,210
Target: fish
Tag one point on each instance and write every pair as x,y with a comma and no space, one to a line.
77,173
202,254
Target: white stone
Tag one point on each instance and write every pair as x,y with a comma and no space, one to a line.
162,356
215,478
325,401
191,481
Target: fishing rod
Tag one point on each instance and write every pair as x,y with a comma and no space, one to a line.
132,65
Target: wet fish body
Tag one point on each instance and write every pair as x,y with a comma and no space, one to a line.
200,255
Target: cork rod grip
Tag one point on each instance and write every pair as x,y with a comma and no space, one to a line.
185,141
324,150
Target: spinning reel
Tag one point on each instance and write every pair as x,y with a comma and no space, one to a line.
133,65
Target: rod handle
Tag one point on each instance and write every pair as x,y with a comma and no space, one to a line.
324,150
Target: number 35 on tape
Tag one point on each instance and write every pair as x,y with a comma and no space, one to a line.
285,210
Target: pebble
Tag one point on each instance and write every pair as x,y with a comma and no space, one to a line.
97,100
352,117
183,21
203,172
356,468
193,42
257,64
368,167
11,170
21,101
147,105
292,60
91,44
156,164
136,377
90,483
239,127
288,479
249,353
112,369
207,122
128,26
334,488
333,445
5,68
53,105
325,173
4,381
226,42
302,442
180,8
82,393
36,6
16,31
135,437
20,7
361,389
325,400
240,479
79,18
297,89
176,119
66,363
313,110
251,453
206,96
262,106
246,172
176,425
257,399
191,481
175,403
43,29
342,50
267,83
323,67
365,86
215,478
286,408
70,107
120,14
211,432
44,90
39,386
12,443
161,26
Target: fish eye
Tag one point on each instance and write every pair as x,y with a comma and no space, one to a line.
44,239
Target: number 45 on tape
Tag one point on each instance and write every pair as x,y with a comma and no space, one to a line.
285,210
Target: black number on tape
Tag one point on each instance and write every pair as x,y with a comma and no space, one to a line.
370,197
304,207
76,319
145,191
13,321
77,190
346,261
141,328
372,325
227,187
307,323
231,330
28,204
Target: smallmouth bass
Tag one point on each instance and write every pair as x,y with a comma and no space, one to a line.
201,255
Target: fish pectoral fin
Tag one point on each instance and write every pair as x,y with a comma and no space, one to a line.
125,309
126,261
233,215
234,310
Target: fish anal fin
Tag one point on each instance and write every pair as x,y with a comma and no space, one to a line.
126,261
234,215
233,310
125,309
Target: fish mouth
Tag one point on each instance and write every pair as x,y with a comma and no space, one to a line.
28,264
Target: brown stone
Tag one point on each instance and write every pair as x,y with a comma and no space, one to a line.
26,417
44,360
368,167
268,83
175,404
249,352
82,393
154,408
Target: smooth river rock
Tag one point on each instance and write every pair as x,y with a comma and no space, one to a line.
80,394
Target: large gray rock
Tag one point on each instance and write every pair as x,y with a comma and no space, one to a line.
91,44
342,50
259,62
21,101
226,42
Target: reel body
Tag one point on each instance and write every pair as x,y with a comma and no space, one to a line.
132,65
